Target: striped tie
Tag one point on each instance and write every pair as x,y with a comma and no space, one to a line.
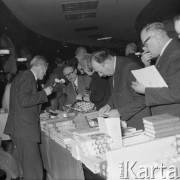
75,88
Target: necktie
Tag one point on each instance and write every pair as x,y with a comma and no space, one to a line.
75,88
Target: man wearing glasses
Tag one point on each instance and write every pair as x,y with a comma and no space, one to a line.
76,88
159,44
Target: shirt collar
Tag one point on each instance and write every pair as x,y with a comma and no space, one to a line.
114,63
164,47
76,82
35,76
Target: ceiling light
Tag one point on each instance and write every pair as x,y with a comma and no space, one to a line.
104,38
21,59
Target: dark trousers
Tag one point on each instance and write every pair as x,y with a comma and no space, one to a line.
29,157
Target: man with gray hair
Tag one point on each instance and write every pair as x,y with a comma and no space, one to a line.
23,119
165,99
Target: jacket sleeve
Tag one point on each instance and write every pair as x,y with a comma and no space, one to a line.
170,94
26,95
138,101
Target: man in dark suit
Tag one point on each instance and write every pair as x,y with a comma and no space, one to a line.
75,90
159,44
23,119
124,101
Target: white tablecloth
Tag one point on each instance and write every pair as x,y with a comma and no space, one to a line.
3,119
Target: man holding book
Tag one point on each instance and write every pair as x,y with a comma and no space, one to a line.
159,44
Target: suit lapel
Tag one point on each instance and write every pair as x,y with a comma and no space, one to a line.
162,60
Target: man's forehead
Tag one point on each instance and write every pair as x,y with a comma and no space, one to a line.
68,69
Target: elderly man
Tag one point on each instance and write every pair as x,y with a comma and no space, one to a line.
23,120
177,25
77,84
165,99
124,101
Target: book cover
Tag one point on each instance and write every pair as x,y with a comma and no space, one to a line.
160,119
173,129
149,77
162,126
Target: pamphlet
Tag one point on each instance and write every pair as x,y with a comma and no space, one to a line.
149,77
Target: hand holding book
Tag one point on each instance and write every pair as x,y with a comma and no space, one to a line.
138,87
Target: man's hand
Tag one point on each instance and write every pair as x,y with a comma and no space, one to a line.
86,98
114,113
146,59
79,97
123,124
139,88
104,110
48,90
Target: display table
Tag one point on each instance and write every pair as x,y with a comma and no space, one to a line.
60,165
3,120
58,162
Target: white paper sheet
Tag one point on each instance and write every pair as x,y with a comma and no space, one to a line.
149,77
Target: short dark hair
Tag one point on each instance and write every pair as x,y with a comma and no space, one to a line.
177,18
100,56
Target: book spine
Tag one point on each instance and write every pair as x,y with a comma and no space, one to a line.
173,129
159,122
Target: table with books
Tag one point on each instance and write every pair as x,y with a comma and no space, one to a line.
56,151
69,142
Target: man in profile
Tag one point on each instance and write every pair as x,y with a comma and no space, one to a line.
23,124
167,51
124,101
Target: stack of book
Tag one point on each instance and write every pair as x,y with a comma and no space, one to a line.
52,125
94,144
161,125
63,138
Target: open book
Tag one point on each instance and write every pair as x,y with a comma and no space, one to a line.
149,77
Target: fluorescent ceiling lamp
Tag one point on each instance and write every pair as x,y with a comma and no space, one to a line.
4,51
104,38
21,59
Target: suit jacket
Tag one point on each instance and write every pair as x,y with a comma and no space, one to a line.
167,99
25,106
83,83
137,59
100,90
130,105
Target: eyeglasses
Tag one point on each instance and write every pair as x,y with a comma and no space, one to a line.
67,75
145,42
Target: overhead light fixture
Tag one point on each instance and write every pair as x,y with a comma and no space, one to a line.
4,52
104,38
21,59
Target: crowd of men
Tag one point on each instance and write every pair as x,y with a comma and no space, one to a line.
108,77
